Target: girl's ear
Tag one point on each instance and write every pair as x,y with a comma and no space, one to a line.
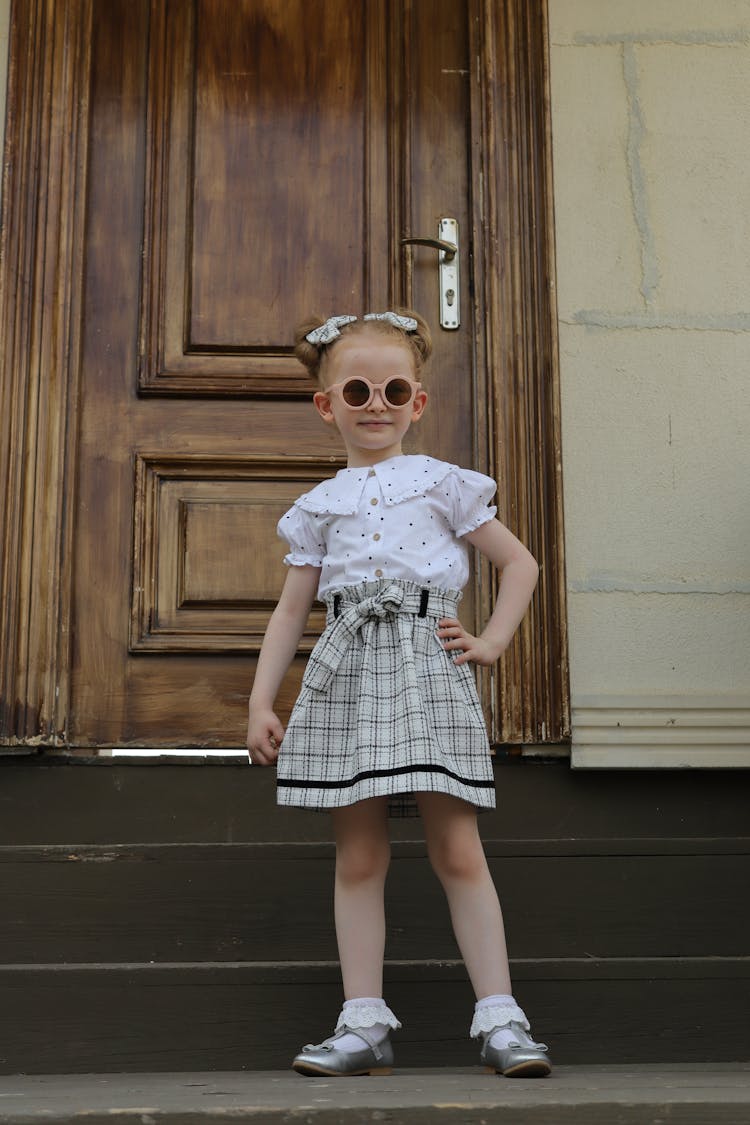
323,406
418,406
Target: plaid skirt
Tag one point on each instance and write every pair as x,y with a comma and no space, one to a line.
383,710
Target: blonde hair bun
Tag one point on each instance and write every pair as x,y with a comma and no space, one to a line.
312,356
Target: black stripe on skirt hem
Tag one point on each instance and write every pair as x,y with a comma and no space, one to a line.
366,775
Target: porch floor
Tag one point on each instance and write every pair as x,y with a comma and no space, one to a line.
718,1094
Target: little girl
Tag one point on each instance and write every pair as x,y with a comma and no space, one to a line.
388,703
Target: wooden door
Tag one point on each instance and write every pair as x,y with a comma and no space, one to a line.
228,167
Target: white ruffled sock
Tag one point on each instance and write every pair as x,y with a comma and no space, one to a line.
495,1011
368,1012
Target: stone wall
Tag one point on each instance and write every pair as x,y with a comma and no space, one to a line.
651,136
4,23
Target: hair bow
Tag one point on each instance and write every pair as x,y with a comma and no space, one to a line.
408,323
331,330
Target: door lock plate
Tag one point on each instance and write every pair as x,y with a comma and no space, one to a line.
450,294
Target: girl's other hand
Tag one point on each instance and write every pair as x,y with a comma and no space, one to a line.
264,735
453,635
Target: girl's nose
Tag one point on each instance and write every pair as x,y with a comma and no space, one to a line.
378,403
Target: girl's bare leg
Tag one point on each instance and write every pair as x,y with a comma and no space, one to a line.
363,854
458,859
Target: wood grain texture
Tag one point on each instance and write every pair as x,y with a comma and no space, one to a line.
262,202
517,361
42,223
200,582
224,193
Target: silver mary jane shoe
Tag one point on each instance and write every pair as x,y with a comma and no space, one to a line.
522,1058
325,1058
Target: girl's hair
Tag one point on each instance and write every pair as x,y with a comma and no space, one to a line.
313,355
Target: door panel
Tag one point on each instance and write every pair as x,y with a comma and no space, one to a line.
207,564
264,188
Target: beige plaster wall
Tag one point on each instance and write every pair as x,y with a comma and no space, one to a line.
4,24
651,135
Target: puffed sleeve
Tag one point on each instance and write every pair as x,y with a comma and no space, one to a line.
302,532
469,495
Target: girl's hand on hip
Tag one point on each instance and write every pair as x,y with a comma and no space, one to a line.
264,735
453,635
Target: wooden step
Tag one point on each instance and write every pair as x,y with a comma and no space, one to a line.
151,1017
258,902
167,917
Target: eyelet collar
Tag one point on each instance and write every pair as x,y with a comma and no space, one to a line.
400,478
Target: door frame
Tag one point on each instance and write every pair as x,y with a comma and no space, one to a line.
517,420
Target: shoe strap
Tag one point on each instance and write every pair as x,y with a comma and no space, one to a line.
514,1043
369,1038
363,1033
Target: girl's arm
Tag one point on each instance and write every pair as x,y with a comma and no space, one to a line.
519,577
287,623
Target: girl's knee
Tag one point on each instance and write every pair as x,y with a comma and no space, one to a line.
363,847
458,856
362,860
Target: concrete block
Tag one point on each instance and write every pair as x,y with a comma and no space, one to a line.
658,644
598,248
573,21
4,47
695,153
656,460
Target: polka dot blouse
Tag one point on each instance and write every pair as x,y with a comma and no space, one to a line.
402,518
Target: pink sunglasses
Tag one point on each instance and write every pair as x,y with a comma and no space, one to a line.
358,392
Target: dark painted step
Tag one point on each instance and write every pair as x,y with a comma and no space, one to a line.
62,800
258,902
624,900
243,1016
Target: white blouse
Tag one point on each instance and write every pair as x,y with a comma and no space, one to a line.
402,518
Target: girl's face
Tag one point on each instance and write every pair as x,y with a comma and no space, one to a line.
376,432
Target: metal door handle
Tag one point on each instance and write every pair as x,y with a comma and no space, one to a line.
447,245
449,248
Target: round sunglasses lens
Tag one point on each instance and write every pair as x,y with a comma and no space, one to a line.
399,392
355,392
